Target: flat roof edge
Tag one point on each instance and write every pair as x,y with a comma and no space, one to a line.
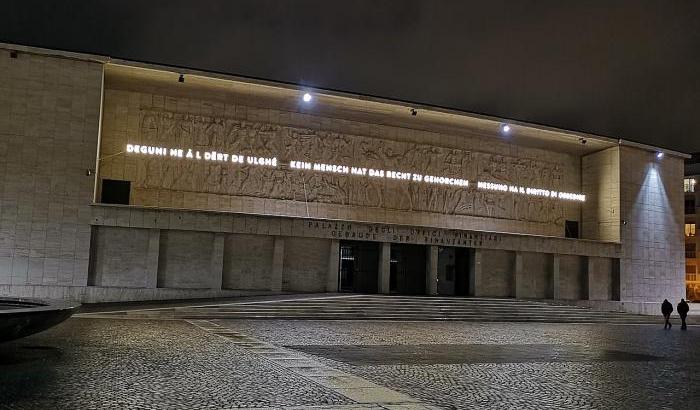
654,148
344,94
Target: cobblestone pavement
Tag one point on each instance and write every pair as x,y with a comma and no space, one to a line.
128,364
668,378
118,363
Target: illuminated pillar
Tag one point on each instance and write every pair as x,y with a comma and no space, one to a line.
555,276
217,261
333,267
384,276
277,264
431,276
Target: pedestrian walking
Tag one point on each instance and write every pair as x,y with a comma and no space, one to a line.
682,310
666,310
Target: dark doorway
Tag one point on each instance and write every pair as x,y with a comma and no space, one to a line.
453,271
408,268
359,266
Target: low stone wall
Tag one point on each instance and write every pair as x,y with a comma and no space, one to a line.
96,294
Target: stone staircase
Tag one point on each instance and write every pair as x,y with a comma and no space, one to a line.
400,308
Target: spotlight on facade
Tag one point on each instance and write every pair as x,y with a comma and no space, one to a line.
181,79
307,97
505,129
659,155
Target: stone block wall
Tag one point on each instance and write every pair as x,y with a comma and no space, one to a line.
49,121
306,263
496,274
186,260
248,262
653,262
121,258
601,278
534,278
572,283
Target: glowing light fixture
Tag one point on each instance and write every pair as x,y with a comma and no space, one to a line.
307,97
505,128
659,155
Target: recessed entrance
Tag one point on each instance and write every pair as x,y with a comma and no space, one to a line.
453,271
408,269
359,266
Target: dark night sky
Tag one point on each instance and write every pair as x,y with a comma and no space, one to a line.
627,69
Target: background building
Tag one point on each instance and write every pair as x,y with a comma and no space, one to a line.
692,239
129,181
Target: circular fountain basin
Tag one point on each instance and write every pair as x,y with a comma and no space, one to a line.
21,317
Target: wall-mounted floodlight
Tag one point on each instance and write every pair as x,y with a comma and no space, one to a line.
505,129
307,97
659,155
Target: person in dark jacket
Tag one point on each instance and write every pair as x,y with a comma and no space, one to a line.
666,310
682,310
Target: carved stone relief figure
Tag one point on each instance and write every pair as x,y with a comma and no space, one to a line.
176,130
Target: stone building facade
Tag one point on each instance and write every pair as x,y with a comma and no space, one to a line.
127,181
692,239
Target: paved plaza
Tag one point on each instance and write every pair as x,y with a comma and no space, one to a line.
118,363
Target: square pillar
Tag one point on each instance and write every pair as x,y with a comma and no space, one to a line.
589,274
333,267
152,255
431,268
555,276
384,275
217,261
518,275
277,264
475,274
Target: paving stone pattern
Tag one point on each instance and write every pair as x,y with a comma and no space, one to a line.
669,381
116,363
128,364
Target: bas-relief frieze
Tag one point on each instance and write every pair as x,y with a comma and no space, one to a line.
165,128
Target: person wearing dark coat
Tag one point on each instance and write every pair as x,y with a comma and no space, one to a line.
666,310
682,310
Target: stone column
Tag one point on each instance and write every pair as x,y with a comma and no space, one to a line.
431,274
333,267
277,264
555,276
518,275
217,261
152,255
384,276
589,274
475,273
